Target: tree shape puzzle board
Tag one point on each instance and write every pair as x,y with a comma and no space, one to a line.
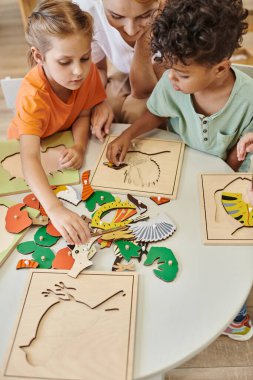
9,240
11,177
152,168
75,329
227,216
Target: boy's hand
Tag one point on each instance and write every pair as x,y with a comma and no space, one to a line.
71,158
117,149
70,225
101,120
244,146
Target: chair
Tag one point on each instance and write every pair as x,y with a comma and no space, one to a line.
10,87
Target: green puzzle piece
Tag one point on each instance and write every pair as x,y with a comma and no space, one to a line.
100,197
26,247
128,249
43,238
167,271
43,256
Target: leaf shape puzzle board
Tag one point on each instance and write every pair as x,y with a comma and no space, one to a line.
11,177
8,240
227,216
75,328
153,167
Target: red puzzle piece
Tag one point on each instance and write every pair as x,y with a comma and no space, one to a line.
51,230
17,220
160,200
63,259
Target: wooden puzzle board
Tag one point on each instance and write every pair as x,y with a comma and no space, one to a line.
85,329
154,168
9,241
11,177
218,226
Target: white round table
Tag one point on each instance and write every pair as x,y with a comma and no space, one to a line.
175,320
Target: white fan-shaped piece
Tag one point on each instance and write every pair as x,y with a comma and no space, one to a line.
156,229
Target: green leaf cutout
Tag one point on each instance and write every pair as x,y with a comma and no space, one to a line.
26,247
168,269
43,256
128,249
44,239
98,197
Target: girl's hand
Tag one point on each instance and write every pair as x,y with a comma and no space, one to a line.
117,149
70,225
72,158
244,146
101,120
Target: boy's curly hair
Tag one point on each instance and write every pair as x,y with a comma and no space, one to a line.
206,31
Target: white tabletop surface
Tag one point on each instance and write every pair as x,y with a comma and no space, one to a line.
175,320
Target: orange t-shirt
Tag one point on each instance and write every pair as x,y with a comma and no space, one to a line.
40,112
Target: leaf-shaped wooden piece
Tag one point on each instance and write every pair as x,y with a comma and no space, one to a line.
26,247
43,238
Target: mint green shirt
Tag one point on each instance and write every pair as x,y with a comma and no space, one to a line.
215,134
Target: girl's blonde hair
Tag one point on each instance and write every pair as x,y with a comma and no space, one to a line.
55,18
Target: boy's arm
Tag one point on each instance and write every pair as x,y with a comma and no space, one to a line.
73,157
232,159
118,148
69,224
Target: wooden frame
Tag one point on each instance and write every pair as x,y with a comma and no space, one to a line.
11,177
153,169
75,328
221,226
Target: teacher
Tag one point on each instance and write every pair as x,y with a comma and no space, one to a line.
121,51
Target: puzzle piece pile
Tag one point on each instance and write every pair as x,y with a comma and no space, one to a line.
124,224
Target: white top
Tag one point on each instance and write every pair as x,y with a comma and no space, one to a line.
178,319
107,41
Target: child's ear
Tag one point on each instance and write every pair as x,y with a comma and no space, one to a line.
222,67
37,55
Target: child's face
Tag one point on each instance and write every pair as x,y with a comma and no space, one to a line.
192,78
130,18
68,62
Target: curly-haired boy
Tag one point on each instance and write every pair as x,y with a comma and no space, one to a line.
207,103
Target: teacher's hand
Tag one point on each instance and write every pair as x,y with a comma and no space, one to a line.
101,120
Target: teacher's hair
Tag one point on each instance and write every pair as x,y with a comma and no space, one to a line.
55,18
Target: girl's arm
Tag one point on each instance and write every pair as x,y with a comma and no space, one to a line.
70,225
73,157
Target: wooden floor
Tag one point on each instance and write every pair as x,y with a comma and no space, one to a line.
222,360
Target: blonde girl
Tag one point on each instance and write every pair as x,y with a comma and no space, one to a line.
56,94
